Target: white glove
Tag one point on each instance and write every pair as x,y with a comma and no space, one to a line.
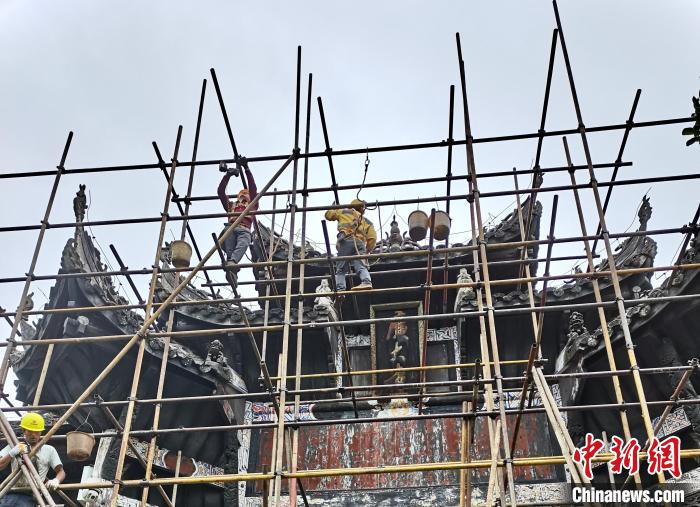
20,448
52,484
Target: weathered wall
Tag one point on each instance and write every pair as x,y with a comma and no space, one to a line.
407,442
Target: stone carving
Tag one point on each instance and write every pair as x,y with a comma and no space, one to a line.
216,362
26,306
635,251
464,294
323,303
323,300
393,238
644,213
579,343
80,204
397,331
166,255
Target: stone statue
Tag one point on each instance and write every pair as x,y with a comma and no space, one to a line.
464,294
322,290
26,306
216,361
408,244
323,302
579,343
394,238
215,353
80,204
166,254
644,213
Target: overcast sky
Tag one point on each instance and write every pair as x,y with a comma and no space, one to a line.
123,74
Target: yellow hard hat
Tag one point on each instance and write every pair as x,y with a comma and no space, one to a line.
32,421
358,203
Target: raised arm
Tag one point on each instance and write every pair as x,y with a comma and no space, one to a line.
252,187
222,191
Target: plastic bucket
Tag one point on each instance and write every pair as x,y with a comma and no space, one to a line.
79,445
417,225
441,227
182,253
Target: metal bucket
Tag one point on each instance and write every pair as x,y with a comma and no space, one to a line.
441,227
181,252
79,445
417,225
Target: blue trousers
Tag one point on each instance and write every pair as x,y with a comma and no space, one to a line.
350,246
17,500
237,244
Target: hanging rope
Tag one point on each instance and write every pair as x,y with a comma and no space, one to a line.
364,177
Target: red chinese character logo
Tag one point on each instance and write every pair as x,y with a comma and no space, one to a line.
585,454
626,456
665,456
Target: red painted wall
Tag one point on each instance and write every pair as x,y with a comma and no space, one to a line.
406,442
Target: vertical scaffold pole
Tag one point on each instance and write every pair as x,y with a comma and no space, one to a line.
4,368
646,418
300,306
612,363
479,263
142,345
282,366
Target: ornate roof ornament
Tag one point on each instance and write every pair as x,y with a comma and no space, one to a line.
644,213
80,204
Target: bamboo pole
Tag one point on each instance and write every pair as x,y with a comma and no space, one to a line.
282,366
120,429
426,307
25,465
156,409
612,363
190,181
5,365
477,225
436,415
389,290
142,345
300,307
177,474
341,472
266,313
646,418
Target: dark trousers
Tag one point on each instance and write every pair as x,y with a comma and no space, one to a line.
17,500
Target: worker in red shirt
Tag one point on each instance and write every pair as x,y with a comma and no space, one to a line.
238,241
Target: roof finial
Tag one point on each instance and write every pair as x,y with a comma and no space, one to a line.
80,204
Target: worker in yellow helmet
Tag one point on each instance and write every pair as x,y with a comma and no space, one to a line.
46,458
356,235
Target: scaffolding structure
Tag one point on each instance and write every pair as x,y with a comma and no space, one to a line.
480,394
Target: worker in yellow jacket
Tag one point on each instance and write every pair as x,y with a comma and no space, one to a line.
356,235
